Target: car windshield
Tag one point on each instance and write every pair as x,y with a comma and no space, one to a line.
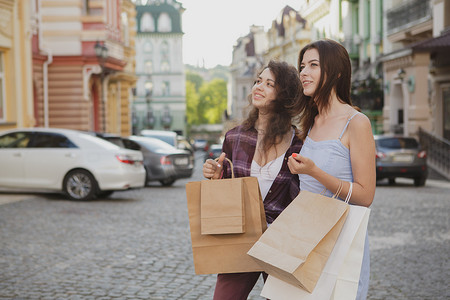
154,144
398,143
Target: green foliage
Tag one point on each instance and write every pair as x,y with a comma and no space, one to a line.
207,103
196,79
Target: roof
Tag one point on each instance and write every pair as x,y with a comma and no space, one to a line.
284,14
441,42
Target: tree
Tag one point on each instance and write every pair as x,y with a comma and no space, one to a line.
196,79
192,101
212,101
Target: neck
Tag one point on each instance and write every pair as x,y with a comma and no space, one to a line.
261,123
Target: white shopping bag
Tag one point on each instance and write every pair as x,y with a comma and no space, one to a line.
341,271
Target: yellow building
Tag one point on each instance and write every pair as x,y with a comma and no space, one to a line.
16,89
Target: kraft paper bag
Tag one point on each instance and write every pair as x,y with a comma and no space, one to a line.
340,276
296,247
222,206
226,253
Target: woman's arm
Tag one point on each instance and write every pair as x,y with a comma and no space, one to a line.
362,155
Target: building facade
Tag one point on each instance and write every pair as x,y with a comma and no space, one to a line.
16,85
282,41
160,95
83,64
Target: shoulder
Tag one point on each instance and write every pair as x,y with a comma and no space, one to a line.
237,131
360,123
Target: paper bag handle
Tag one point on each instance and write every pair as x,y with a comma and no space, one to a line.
231,165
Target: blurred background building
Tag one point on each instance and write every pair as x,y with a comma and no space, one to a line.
116,66
160,97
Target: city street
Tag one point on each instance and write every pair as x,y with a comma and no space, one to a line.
136,245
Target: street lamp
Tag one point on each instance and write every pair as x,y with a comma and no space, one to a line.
101,51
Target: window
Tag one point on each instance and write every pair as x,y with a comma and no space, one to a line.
164,23
15,140
125,28
166,88
2,89
148,67
165,51
148,48
51,140
147,23
165,67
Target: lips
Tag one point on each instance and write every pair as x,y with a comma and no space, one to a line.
306,82
258,96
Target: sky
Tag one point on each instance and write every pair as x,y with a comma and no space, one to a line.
212,27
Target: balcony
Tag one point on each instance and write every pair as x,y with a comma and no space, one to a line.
412,18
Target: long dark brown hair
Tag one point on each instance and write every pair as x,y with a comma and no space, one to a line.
283,109
336,72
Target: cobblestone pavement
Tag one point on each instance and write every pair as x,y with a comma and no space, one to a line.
136,245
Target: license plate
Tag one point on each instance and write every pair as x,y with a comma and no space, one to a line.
181,161
403,158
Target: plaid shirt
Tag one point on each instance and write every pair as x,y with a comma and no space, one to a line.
239,146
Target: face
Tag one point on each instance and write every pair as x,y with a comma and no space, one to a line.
310,71
263,91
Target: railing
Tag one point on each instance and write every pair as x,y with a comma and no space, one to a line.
405,15
438,152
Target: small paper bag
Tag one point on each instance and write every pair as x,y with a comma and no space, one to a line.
296,247
226,253
222,206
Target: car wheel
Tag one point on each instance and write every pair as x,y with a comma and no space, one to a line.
420,181
167,182
80,185
104,194
391,181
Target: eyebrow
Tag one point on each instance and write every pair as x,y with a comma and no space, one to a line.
268,79
314,59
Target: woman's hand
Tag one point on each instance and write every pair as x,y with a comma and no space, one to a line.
299,164
212,169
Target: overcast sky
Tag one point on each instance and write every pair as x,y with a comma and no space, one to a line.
211,27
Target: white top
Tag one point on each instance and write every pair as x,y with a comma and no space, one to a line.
266,174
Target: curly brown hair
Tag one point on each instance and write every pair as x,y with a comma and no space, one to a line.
284,109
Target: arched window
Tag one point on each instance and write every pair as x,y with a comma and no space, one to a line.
148,48
147,23
165,66
148,67
165,51
164,23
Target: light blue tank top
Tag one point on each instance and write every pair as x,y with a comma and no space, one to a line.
330,156
333,157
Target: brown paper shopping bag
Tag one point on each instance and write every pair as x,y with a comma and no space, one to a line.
295,248
226,253
222,205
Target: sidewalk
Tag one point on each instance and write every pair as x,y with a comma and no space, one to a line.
9,198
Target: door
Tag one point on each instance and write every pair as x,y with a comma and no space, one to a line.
13,147
48,159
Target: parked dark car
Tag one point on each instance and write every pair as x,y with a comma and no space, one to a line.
163,162
399,156
214,151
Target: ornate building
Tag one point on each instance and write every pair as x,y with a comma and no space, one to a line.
83,64
282,41
160,96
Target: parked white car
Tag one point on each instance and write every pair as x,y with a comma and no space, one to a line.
78,164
